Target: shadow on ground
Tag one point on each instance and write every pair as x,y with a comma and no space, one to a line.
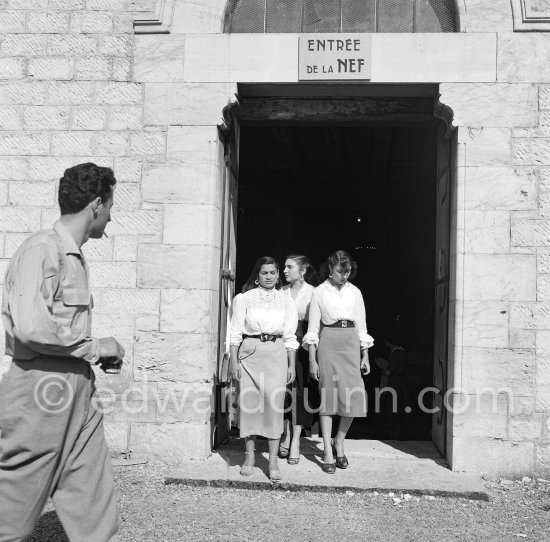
48,529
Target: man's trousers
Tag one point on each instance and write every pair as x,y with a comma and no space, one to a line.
53,445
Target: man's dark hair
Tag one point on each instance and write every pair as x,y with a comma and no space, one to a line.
83,183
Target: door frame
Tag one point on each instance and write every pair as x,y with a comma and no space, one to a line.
248,109
228,134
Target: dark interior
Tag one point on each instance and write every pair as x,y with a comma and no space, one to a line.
369,190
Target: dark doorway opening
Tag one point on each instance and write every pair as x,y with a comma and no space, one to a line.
370,190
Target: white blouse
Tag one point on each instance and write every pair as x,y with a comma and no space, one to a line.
330,304
264,311
302,299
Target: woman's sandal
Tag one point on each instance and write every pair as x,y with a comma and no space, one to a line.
329,468
274,474
247,470
293,460
283,451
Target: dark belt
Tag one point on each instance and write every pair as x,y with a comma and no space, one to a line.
342,324
264,337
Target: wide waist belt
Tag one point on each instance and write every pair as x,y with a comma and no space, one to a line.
342,323
264,337
44,357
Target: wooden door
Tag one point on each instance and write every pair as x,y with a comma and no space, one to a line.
443,219
229,138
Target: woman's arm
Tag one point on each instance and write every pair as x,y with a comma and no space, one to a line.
290,324
291,371
313,365
234,365
365,364
364,338
314,323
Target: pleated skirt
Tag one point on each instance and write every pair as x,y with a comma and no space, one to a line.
341,385
262,387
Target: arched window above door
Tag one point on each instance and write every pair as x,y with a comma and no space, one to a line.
280,16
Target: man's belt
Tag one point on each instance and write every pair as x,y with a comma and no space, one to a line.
264,337
342,324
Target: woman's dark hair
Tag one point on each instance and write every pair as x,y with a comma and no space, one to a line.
83,183
342,258
310,275
251,282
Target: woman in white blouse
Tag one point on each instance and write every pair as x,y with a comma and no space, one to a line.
263,348
302,278
337,340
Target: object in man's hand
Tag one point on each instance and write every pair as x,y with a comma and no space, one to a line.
110,365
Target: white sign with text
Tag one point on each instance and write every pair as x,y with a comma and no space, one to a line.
334,57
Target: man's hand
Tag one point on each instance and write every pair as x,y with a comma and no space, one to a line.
110,348
111,353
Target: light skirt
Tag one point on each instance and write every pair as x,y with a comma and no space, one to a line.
341,385
262,387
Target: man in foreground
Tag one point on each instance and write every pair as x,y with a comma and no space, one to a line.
52,441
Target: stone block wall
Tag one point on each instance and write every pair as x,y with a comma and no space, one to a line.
72,91
500,355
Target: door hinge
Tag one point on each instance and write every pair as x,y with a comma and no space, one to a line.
228,274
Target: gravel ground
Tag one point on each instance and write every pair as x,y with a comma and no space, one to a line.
151,511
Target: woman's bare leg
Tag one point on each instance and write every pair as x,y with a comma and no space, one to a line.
343,428
326,431
273,452
274,472
250,447
247,467
287,435
295,445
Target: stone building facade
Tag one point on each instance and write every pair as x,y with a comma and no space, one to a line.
141,85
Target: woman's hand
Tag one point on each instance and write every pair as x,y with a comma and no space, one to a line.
365,365
234,370
290,374
313,369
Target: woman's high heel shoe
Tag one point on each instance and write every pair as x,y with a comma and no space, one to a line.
341,462
274,474
247,470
